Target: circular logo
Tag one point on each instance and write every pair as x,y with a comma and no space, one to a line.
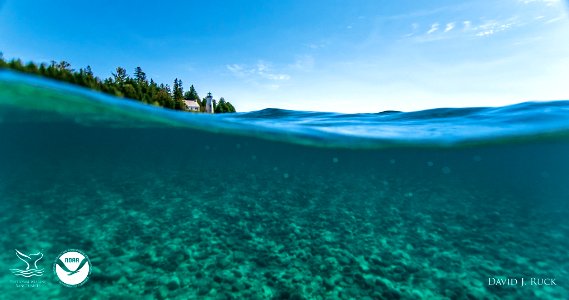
72,267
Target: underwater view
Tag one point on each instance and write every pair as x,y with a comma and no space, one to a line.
275,204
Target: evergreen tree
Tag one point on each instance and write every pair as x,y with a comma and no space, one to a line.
178,91
178,95
139,75
192,94
220,107
64,66
31,68
129,91
42,69
162,98
119,84
120,76
89,72
224,106
230,108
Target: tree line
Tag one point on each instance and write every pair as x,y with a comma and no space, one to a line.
120,84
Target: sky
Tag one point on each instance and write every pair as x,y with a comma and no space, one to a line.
341,56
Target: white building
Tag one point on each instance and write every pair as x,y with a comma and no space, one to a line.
192,105
209,104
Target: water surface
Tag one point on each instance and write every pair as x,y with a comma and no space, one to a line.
281,204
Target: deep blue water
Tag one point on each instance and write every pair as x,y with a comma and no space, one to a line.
277,204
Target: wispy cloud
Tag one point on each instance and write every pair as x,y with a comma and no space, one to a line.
449,27
492,27
261,74
479,29
546,2
303,63
261,70
434,28
424,13
239,70
414,28
264,70
471,20
556,19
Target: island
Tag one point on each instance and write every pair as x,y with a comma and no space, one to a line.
120,84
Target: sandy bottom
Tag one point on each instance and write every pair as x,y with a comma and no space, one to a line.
283,236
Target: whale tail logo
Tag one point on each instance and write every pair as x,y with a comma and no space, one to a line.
31,261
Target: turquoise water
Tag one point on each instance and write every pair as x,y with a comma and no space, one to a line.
438,204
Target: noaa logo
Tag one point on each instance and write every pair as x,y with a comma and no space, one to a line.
72,267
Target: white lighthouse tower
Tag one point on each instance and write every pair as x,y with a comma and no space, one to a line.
209,104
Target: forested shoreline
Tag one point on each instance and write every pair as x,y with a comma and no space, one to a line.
120,84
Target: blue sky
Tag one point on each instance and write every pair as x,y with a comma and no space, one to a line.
346,56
